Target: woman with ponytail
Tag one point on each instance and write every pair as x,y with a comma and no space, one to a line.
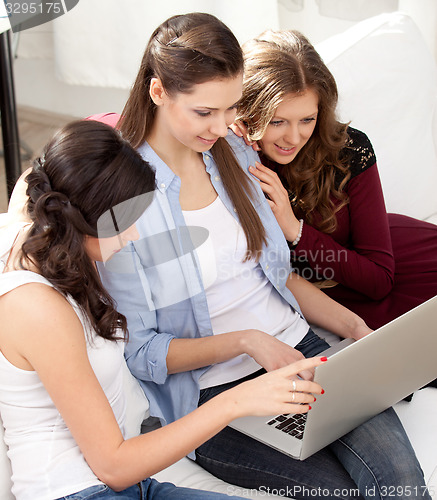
61,393
207,289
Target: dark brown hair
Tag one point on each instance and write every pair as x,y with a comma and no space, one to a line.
86,171
184,51
279,63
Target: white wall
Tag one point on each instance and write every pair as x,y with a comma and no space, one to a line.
37,84
318,27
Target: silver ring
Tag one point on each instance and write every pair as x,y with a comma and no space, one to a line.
293,385
293,394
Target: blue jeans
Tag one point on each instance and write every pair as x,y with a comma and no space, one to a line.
149,489
374,461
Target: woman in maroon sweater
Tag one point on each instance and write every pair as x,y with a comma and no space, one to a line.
322,181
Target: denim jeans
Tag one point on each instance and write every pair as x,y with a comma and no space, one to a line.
149,489
374,461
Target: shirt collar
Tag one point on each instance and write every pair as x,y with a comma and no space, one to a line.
208,160
163,173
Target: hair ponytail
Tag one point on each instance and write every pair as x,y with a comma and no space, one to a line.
236,182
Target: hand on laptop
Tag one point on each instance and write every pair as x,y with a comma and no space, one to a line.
271,353
278,391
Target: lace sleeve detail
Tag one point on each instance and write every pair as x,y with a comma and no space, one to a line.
358,152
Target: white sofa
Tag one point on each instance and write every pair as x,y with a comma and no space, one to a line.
388,85
387,80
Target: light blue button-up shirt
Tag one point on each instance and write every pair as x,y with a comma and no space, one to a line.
157,285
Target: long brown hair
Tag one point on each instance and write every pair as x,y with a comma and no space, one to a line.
184,51
86,170
279,63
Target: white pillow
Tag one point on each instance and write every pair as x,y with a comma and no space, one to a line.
5,469
137,405
387,82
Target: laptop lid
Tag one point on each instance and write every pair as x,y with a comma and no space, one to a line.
360,381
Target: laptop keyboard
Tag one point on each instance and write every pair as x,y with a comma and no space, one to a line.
293,424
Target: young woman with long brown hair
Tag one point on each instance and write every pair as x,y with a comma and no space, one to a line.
61,394
206,288
322,180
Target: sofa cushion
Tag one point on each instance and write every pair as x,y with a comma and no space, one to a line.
387,82
418,418
432,219
137,405
5,469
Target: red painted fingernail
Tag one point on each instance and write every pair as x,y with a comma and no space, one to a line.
324,358
323,390
315,399
309,407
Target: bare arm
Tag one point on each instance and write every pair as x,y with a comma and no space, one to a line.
190,354
266,350
49,339
323,311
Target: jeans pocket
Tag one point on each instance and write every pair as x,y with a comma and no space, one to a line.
88,493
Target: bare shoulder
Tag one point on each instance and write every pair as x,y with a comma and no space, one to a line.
36,307
33,296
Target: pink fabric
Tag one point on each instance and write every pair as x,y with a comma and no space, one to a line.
108,118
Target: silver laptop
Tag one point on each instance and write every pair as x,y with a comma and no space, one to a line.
360,379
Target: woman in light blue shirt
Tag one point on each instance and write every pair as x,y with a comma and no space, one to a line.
200,286
62,390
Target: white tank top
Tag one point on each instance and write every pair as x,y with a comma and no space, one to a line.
46,461
238,294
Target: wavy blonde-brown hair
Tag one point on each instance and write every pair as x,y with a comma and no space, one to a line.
280,63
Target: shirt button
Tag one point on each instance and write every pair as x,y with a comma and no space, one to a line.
162,185
235,210
217,178
267,266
